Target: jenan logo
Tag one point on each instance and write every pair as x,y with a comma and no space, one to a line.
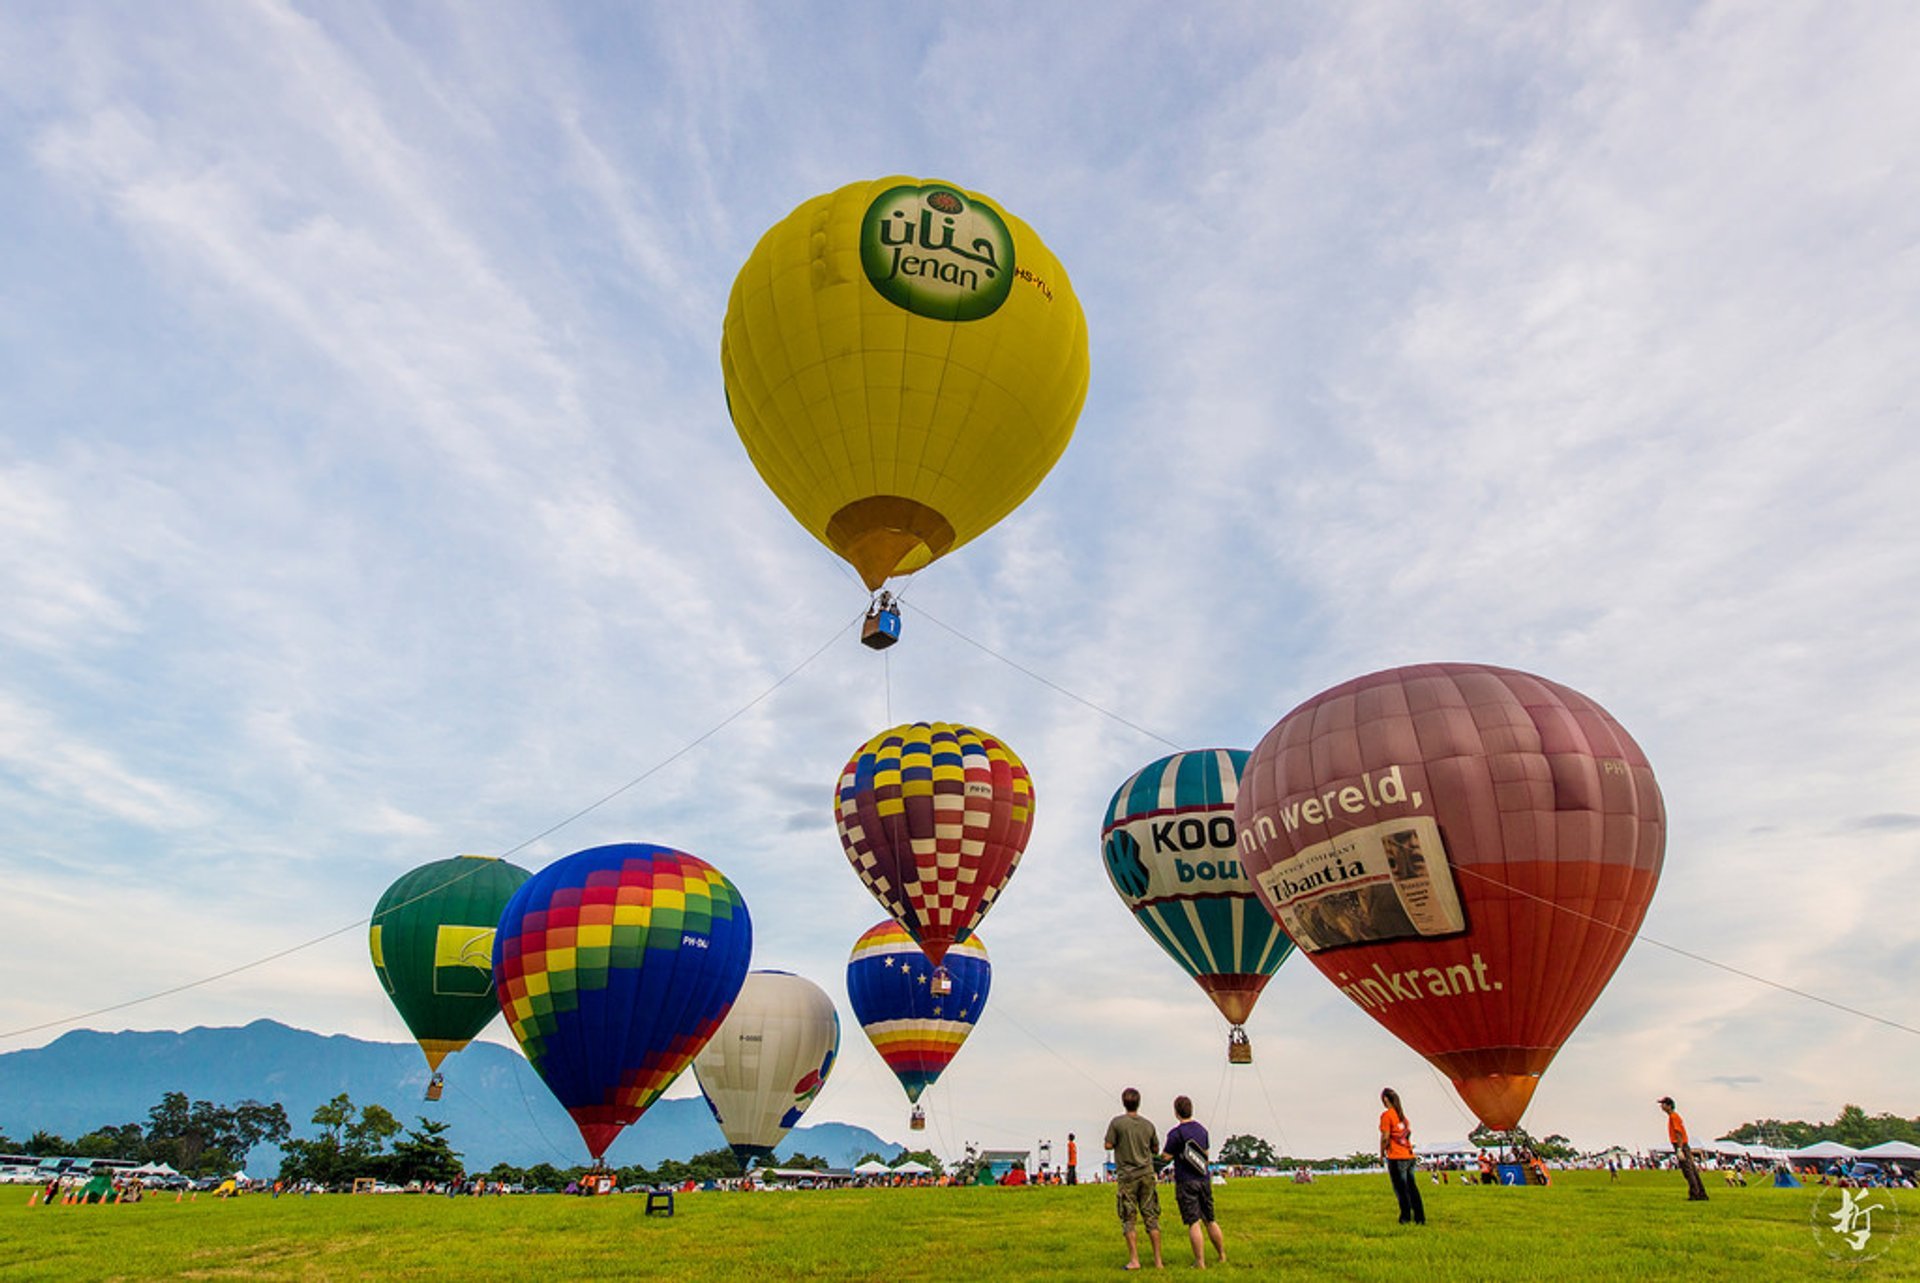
936,253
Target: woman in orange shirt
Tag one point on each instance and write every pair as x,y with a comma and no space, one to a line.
1396,1149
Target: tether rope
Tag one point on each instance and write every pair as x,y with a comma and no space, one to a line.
551,829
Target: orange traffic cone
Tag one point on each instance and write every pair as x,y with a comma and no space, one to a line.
178,1195
34,1199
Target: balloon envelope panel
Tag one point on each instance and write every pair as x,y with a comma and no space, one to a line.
768,1060
1171,851
615,966
432,946
934,818
916,1031
904,361
1466,851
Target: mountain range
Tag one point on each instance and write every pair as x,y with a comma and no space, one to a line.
496,1107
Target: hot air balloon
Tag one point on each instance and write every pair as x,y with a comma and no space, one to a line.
615,965
1466,851
934,818
432,946
916,1031
904,361
768,1060
1171,852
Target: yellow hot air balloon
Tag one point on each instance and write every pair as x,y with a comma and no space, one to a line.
904,361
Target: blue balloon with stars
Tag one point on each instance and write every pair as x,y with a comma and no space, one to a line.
916,1031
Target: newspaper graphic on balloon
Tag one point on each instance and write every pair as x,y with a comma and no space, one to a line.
1383,882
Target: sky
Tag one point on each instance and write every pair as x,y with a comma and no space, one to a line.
368,496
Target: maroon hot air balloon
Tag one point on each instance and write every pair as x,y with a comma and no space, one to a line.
1466,851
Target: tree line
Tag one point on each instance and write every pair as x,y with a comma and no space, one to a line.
350,1142
1252,1151
196,1137
1852,1126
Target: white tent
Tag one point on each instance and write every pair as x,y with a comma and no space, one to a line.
1892,1149
1449,1149
146,1170
872,1167
1824,1149
911,1168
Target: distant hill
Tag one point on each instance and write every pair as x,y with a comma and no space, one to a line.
497,1108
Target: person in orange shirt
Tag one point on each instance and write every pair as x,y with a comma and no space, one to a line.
1396,1150
1683,1152
1073,1160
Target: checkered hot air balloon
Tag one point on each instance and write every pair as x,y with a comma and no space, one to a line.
934,818
1466,851
615,966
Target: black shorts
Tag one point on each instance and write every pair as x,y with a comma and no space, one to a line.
1194,1200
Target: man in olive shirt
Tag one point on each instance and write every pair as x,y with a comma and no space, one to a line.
1135,1143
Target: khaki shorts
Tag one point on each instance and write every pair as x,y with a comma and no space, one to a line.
1138,1196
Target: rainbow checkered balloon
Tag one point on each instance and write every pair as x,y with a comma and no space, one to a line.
614,966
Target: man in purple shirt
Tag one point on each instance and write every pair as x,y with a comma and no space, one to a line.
1188,1148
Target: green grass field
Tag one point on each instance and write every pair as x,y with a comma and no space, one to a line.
1582,1227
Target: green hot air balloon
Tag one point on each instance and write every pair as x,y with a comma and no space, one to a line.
432,943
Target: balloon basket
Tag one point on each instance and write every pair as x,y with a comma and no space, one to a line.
881,628
918,1122
435,1086
1239,1048
942,982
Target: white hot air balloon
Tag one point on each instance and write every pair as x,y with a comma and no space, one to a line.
768,1060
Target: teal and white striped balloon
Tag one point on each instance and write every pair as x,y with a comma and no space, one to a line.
1169,848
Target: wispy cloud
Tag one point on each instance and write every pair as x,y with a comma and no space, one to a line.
1891,821
369,493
